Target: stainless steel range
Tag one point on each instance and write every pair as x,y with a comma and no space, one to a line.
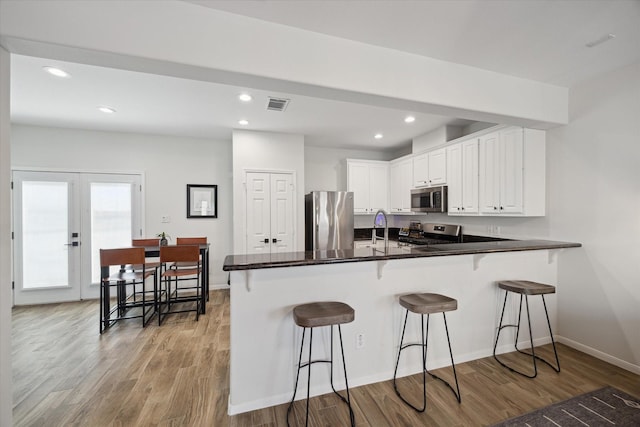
430,234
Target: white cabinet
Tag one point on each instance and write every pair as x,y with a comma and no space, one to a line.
430,168
401,180
462,177
369,181
512,172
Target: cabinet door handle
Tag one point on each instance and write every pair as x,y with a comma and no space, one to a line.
501,208
462,208
495,208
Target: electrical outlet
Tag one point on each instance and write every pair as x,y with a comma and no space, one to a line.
360,340
165,219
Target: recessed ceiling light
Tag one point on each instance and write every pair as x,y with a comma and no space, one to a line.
378,136
243,122
106,109
56,71
409,119
245,97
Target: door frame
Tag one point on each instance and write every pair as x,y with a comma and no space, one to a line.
81,172
243,225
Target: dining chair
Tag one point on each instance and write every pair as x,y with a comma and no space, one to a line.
193,241
174,295
132,299
147,243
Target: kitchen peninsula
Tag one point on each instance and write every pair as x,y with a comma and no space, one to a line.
266,287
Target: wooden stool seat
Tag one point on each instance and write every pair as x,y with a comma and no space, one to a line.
326,313
526,287
428,303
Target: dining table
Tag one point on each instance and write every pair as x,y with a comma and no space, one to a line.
154,252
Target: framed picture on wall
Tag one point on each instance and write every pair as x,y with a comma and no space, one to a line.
202,201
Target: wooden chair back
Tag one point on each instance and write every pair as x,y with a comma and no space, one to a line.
121,256
179,253
144,242
191,241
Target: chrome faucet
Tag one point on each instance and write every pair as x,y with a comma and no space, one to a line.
374,236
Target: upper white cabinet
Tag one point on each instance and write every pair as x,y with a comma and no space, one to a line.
401,179
462,177
430,168
369,181
512,172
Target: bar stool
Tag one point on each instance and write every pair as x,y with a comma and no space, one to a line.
426,304
526,288
314,315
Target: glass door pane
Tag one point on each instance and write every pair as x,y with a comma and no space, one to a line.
45,234
46,242
111,206
110,220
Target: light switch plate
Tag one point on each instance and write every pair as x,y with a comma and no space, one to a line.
165,219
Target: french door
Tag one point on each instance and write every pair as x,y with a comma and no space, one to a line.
61,220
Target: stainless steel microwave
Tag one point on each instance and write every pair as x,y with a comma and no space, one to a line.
432,199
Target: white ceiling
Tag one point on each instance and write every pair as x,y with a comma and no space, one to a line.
535,39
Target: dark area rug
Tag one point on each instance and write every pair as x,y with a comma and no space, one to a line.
604,407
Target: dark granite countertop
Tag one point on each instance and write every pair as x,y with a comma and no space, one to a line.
298,259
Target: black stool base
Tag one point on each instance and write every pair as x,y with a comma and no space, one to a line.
308,364
423,345
517,326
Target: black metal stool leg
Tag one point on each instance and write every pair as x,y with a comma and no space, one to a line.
553,341
456,392
346,381
402,347
532,354
295,387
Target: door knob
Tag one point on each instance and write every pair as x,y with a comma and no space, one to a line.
72,244
266,240
276,240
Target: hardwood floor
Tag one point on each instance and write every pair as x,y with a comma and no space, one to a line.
66,374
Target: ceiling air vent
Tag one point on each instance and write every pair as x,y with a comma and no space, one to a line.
277,104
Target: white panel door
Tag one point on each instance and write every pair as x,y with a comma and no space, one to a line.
511,182
490,173
270,212
46,237
454,178
437,167
470,176
358,182
379,187
282,212
258,212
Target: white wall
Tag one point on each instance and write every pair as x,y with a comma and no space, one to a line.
168,163
435,138
594,198
6,397
266,151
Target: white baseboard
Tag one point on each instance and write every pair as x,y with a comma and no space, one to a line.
600,355
214,286
403,371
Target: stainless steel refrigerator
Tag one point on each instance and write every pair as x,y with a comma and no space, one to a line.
328,220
